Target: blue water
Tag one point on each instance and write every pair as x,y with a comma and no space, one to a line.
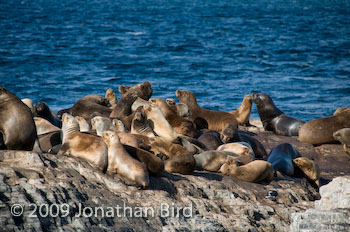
296,51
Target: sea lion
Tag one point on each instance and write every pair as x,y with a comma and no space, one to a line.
180,109
309,168
111,98
122,89
231,134
82,145
160,125
343,136
211,139
320,131
216,120
243,112
163,147
139,102
119,125
184,164
281,157
83,124
89,105
61,112
17,127
43,110
29,102
120,161
123,107
49,140
255,171
43,126
274,119
240,148
213,160
140,125
340,110
181,125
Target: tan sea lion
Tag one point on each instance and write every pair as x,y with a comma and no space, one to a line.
309,168
83,124
123,107
29,102
43,126
181,125
213,160
340,110
343,136
89,105
180,109
119,125
184,164
82,145
139,102
243,112
111,98
119,161
255,171
240,148
320,131
216,120
17,127
140,125
162,146
160,125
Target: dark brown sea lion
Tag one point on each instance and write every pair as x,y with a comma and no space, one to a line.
216,120
123,107
281,157
320,131
89,105
17,127
49,140
42,110
243,112
274,119
184,164
211,139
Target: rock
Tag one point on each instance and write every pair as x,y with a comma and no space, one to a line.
331,213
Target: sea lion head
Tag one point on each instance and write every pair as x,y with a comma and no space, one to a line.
229,134
69,121
119,125
228,167
110,95
343,136
171,101
42,108
110,137
100,123
186,97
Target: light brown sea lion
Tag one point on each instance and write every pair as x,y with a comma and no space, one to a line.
120,161
180,109
255,171
29,102
343,136
101,124
160,125
17,127
123,107
320,131
139,102
43,126
140,125
240,148
184,164
119,125
181,125
243,112
111,98
84,126
213,160
89,105
167,148
309,168
216,120
82,145
340,110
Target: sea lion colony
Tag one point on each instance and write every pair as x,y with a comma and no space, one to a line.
137,136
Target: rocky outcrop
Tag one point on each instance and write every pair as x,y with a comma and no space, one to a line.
331,213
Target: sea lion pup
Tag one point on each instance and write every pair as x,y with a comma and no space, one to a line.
29,102
180,109
281,157
343,136
49,140
123,107
231,134
141,126
243,112
184,164
119,125
17,127
90,104
240,148
320,131
340,110
181,125
83,124
211,139
255,171
42,110
160,125
120,162
213,160
216,120
309,168
274,119
43,126
82,145
139,102
111,98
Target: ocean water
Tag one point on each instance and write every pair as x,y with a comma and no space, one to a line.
297,51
